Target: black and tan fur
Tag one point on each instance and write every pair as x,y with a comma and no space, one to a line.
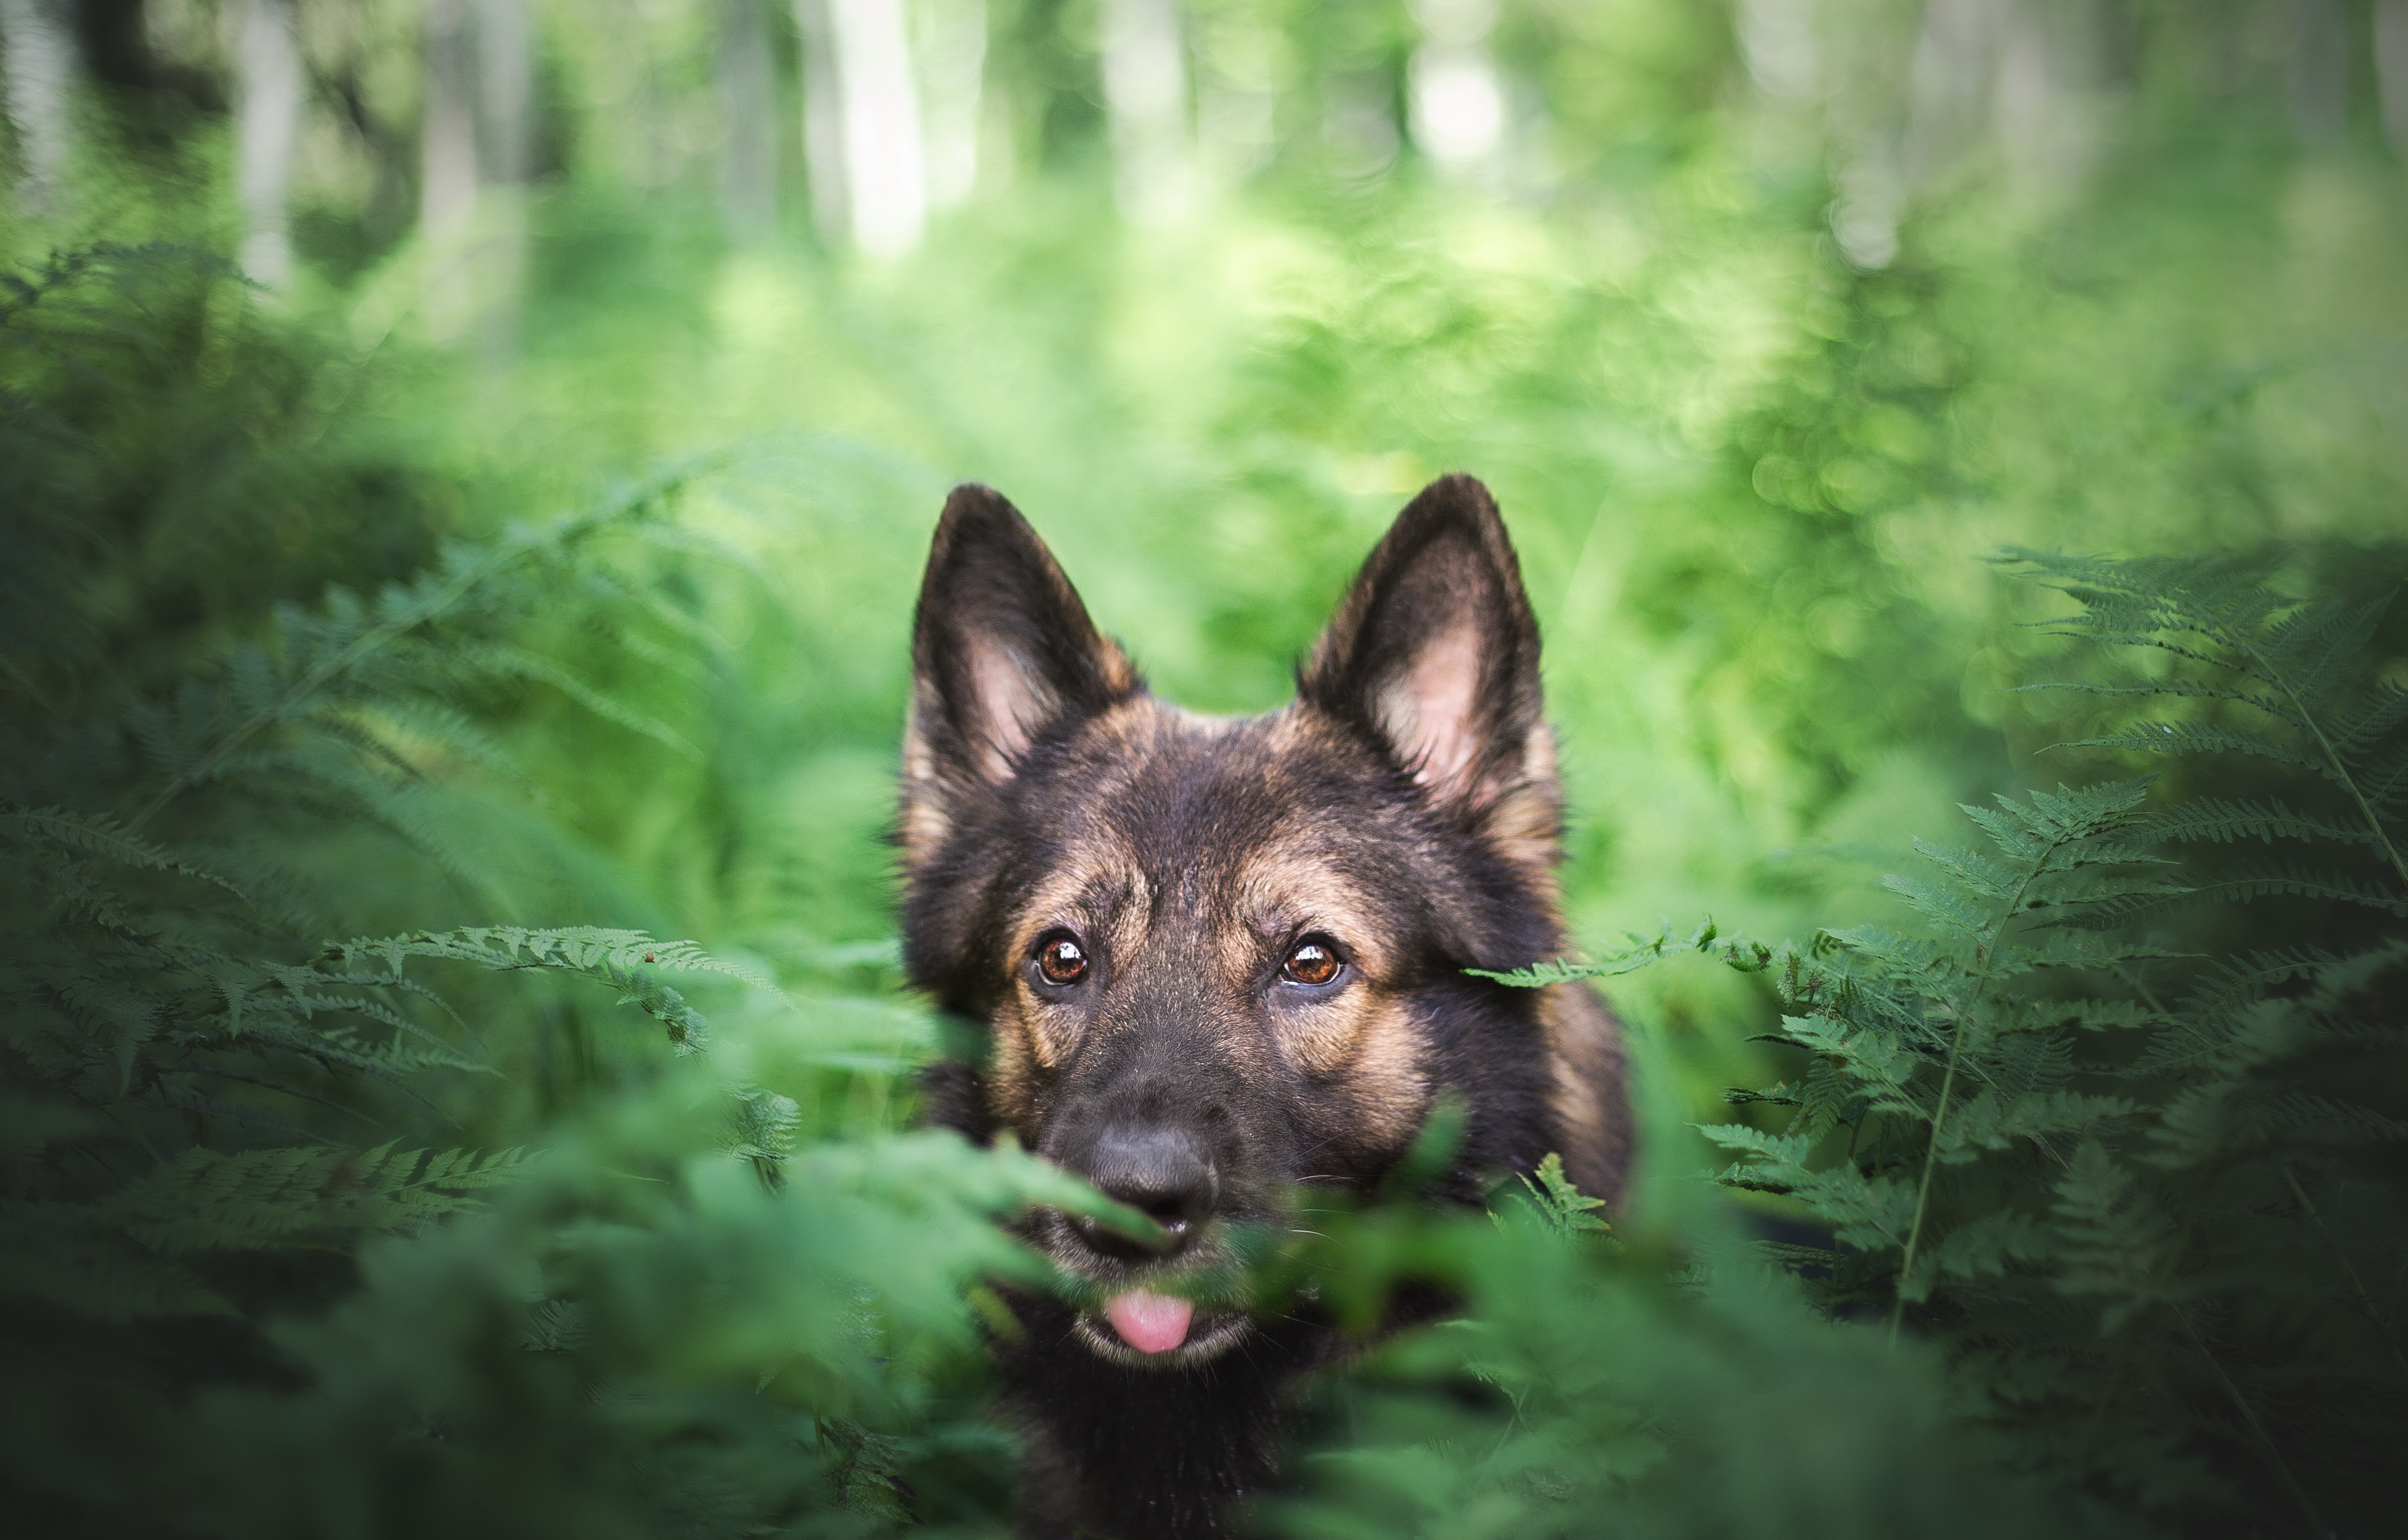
1404,812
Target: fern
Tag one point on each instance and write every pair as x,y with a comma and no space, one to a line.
1567,1211
208,1200
2290,661
208,1113
2022,1150
328,658
1643,952
2132,1189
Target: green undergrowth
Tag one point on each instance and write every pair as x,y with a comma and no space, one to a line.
2139,1185
510,1216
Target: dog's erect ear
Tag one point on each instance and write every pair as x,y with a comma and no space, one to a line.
1002,652
1434,655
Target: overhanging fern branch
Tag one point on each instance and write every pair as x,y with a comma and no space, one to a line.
2298,650
1643,952
622,958
1983,953
66,268
432,603
2340,773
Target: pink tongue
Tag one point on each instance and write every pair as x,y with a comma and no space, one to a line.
1151,1323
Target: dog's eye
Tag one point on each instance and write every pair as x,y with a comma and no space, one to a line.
1313,961
1061,960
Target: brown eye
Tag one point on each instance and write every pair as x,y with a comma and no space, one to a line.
1062,961
1313,962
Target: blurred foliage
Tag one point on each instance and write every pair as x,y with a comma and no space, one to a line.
1762,346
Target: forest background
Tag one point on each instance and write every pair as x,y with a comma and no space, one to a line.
1767,323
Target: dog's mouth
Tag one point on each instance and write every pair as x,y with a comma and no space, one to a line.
1142,1329
1150,1312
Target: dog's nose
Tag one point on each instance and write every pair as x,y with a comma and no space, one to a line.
1164,1173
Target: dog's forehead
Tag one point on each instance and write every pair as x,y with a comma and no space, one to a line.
1257,818
1210,795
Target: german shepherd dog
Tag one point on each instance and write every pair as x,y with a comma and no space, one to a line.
1214,958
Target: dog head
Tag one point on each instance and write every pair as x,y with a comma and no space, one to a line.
1216,959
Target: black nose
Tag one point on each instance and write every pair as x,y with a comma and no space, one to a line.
1162,1172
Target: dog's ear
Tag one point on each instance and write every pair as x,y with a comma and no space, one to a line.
1434,657
1002,654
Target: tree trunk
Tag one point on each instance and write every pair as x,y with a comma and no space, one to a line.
748,108
1455,97
2319,70
269,89
1145,91
2391,70
505,51
822,123
447,190
1776,39
476,143
504,45
40,63
953,67
885,176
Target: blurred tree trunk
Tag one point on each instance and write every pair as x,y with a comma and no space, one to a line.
2391,70
823,122
1950,80
505,49
2319,70
447,188
747,107
39,60
884,173
953,67
1145,91
476,146
862,125
269,87
1776,39
1455,102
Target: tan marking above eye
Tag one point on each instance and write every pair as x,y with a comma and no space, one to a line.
1311,961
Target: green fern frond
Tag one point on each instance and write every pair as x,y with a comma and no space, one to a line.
763,1130
514,662
1645,952
622,958
2217,821
2274,706
556,1326
2312,648
2382,712
2337,888
342,640
398,1059
1987,1247
1942,904
2113,1238
1567,1211
96,836
1989,1121
1971,870
1781,1156
2328,1118
2188,738
60,1255
205,1200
